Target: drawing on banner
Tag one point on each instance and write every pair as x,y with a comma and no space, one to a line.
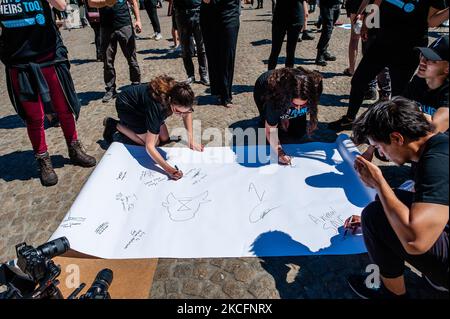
149,178
100,229
263,208
136,235
329,220
121,176
128,201
196,175
70,221
184,208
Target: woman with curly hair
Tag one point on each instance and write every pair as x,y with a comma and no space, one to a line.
284,98
142,110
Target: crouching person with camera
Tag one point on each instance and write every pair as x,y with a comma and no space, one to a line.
401,226
37,74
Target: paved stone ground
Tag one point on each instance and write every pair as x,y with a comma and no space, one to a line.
30,212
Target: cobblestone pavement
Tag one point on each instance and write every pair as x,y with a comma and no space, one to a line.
30,212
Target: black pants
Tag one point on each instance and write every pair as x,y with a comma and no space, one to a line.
402,61
188,23
151,8
329,13
279,30
97,40
383,79
220,40
127,42
386,250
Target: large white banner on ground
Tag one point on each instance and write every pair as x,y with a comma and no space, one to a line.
231,202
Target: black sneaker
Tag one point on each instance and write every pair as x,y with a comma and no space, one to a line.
307,36
204,80
358,284
320,60
109,95
344,123
190,80
371,94
329,57
435,286
110,125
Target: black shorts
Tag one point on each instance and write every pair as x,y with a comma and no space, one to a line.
130,118
352,6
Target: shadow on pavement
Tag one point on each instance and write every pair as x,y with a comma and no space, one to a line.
86,97
11,122
21,165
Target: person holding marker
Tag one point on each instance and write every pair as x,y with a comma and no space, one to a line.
142,110
284,98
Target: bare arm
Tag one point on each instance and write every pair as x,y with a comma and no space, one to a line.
187,120
58,4
101,3
436,17
150,146
272,137
440,119
417,228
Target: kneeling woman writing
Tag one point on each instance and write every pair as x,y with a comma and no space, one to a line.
142,110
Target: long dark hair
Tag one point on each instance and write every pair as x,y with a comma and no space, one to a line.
286,84
165,90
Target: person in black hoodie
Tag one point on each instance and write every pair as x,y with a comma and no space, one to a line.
219,20
288,18
37,74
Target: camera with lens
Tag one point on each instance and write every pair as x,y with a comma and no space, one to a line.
35,274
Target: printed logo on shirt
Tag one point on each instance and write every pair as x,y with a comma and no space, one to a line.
408,7
293,113
427,109
21,13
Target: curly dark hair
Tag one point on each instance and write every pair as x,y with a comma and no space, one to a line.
397,115
286,84
165,90
182,94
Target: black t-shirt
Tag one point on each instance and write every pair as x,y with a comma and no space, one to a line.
224,12
429,100
431,174
187,4
289,12
272,115
115,17
28,31
137,98
406,21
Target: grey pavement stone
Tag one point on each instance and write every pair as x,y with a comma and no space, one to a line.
32,213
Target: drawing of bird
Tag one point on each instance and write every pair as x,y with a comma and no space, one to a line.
184,208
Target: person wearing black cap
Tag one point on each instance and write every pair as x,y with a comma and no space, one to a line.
429,87
401,29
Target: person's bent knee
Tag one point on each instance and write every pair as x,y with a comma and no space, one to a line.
371,214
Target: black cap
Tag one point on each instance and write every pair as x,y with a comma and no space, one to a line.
436,51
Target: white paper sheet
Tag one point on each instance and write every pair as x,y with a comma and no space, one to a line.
226,205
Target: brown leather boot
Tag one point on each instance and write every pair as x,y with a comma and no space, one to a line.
79,157
47,174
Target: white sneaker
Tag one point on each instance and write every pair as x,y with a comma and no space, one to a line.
158,36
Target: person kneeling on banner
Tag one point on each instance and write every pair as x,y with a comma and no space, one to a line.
142,110
284,97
